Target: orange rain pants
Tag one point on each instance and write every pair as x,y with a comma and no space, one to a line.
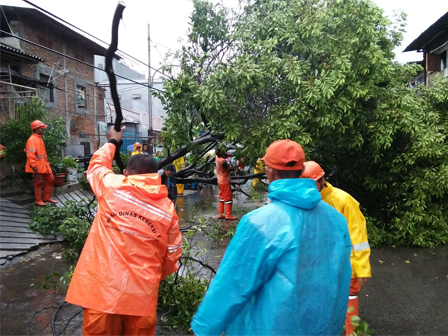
47,184
98,323
353,305
225,192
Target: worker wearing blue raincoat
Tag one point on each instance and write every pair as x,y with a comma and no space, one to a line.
287,269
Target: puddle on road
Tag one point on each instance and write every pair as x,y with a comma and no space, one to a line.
205,203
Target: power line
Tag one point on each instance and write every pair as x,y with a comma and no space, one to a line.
75,59
72,25
6,19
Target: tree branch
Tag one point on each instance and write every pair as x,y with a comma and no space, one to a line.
206,138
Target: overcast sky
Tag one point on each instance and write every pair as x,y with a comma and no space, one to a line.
169,21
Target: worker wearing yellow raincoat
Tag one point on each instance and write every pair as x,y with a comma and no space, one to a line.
360,254
179,164
259,168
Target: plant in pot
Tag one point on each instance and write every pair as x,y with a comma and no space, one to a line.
71,166
58,171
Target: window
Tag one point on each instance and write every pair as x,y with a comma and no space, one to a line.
80,97
46,88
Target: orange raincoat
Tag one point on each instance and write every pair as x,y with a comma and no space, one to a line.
36,155
133,244
223,177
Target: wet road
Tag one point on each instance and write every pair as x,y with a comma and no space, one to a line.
408,294
24,309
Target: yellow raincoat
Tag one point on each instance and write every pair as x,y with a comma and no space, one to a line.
349,207
179,164
259,168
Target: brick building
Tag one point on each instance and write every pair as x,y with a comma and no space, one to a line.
66,86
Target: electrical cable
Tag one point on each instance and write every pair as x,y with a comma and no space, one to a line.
72,25
75,59
7,22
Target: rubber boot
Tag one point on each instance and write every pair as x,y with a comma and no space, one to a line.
38,192
221,210
353,310
48,189
229,212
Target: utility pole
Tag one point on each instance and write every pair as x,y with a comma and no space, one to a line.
150,130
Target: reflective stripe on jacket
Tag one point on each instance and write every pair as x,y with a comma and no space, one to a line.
349,207
36,155
222,174
133,244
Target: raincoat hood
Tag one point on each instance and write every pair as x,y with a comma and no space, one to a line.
149,184
285,272
300,193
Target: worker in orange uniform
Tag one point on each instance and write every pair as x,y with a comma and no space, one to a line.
349,207
134,243
225,189
38,164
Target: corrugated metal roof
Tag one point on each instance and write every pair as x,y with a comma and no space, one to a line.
5,50
438,28
96,47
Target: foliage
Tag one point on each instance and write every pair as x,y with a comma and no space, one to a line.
258,191
16,132
361,327
56,282
57,167
84,183
75,230
69,162
181,296
73,221
125,157
50,282
181,293
322,73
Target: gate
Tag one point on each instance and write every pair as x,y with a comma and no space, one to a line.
130,138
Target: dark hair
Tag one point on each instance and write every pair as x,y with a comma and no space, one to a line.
289,174
170,167
220,153
142,164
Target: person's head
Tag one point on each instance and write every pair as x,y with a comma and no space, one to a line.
38,127
314,171
284,160
145,148
159,154
170,170
221,153
137,146
141,164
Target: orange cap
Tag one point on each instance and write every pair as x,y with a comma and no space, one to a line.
312,171
285,155
137,144
37,124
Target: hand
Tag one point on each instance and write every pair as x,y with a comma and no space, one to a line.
34,168
117,136
363,281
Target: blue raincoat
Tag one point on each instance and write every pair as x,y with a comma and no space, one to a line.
286,271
